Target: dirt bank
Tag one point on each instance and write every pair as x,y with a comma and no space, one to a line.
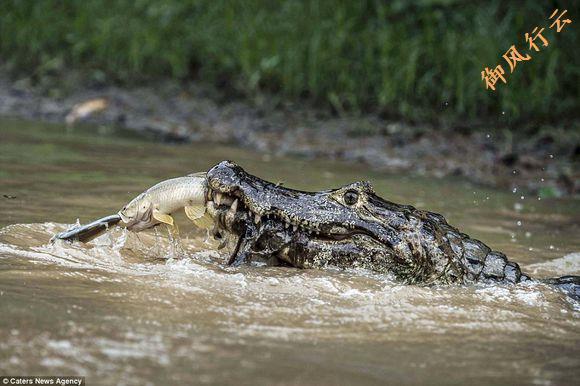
540,160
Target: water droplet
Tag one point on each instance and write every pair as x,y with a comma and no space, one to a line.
539,198
542,179
528,234
551,247
522,197
518,207
551,155
519,223
514,190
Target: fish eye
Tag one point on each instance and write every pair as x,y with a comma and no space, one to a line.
350,197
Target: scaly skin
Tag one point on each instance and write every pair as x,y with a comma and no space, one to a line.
348,227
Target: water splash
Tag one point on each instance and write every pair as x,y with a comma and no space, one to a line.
313,302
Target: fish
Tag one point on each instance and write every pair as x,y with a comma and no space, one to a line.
155,205
152,207
86,233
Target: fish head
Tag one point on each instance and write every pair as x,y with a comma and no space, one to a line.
137,214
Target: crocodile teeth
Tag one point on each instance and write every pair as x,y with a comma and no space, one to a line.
211,207
234,207
256,219
286,225
294,228
218,198
232,212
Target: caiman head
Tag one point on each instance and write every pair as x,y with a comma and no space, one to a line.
348,227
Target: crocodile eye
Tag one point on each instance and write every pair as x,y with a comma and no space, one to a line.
350,197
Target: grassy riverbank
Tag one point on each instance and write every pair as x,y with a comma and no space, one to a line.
418,60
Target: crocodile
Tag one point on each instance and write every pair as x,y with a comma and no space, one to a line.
350,227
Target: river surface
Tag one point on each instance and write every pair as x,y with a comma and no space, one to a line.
136,309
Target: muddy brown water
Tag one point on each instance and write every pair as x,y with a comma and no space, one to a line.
134,309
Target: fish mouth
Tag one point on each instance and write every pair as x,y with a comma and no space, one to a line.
139,222
124,218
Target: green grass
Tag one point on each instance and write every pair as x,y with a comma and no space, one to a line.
416,59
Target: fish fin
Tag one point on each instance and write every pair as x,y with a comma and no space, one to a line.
162,217
193,212
205,221
198,216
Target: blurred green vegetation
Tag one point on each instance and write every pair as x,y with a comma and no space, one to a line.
419,60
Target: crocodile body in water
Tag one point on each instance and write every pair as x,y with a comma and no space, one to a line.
351,227
348,227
